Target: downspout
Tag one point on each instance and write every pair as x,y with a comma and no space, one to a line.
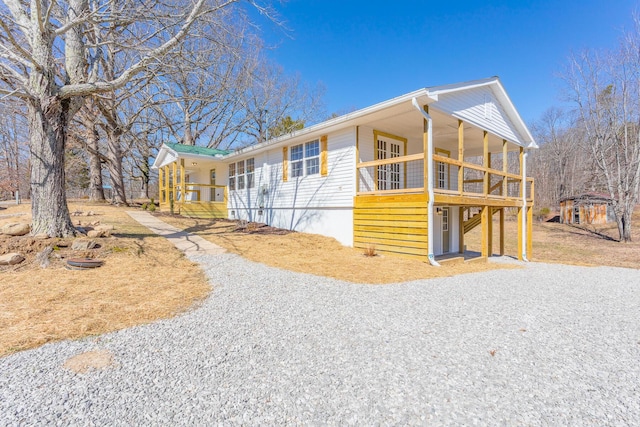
524,206
430,178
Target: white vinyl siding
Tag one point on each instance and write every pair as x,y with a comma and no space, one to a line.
479,107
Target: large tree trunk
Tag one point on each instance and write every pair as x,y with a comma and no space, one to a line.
144,172
96,188
47,128
114,165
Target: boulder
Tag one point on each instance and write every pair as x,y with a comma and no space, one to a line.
11,259
83,244
16,229
96,233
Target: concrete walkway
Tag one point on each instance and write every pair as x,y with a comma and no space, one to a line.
188,243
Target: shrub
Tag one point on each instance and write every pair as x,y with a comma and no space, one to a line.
152,207
144,206
370,250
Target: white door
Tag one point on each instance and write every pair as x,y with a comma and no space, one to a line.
389,176
446,236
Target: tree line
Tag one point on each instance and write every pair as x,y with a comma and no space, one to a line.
593,144
93,87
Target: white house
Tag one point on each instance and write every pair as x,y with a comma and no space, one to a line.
380,175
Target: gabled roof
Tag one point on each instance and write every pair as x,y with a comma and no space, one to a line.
194,149
424,96
500,93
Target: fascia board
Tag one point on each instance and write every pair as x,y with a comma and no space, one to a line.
350,119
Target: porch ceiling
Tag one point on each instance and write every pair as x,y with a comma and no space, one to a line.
403,120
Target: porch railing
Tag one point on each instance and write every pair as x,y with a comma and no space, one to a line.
194,193
405,174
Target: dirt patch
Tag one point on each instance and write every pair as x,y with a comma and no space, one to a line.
97,359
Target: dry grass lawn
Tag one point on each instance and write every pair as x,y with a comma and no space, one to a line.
566,244
144,278
322,256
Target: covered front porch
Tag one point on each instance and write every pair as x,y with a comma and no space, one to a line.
450,175
188,178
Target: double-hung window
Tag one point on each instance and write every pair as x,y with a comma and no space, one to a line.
232,176
250,172
241,174
240,167
305,159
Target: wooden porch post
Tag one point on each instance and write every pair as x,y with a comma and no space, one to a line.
505,169
521,210
501,231
490,232
182,182
485,162
460,157
460,230
160,184
174,166
484,226
520,213
167,187
529,232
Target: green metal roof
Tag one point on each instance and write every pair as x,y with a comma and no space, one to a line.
194,149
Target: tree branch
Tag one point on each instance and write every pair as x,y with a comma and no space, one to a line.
69,91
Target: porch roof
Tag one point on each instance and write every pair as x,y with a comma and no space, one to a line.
194,149
170,152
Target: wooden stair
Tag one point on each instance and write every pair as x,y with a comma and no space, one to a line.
472,223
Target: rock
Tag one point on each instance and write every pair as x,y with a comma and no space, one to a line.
96,233
16,229
83,244
90,213
11,259
41,236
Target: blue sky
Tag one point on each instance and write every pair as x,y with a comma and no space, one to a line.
369,51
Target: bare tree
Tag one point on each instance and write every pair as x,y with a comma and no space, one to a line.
273,96
561,166
13,150
46,59
205,81
605,89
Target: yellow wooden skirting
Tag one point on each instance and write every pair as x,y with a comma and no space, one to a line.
204,210
394,225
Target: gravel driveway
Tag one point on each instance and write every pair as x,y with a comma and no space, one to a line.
544,345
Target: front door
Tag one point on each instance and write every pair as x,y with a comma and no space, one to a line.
445,230
388,175
213,196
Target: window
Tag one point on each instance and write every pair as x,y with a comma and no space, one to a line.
250,170
297,155
240,167
312,156
232,176
305,159
241,174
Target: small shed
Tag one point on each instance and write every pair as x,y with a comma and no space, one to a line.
587,208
